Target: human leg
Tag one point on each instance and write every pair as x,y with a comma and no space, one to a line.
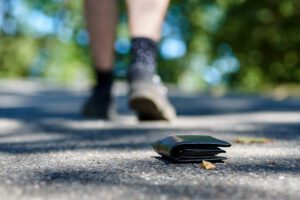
147,95
146,17
101,19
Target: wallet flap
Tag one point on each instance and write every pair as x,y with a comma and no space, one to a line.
201,139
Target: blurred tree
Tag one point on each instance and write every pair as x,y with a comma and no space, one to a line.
240,43
265,36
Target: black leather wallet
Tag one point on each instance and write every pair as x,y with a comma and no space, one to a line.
191,148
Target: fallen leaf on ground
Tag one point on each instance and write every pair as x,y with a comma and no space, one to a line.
207,165
253,140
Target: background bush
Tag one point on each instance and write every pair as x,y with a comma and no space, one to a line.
242,44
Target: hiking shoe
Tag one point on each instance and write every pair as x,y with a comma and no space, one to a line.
148,97
99,105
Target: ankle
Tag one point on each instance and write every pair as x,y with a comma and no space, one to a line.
104,77
143,58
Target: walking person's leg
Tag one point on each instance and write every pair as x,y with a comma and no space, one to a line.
146,17
101,19
147,95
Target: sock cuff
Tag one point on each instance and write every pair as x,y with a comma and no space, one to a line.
143,50
104,77
144,42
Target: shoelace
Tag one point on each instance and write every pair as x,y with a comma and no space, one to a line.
157,80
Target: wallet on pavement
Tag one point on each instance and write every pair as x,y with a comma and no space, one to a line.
191,148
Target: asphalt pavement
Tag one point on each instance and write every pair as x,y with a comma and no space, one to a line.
48,151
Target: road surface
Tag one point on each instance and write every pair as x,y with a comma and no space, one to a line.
48,151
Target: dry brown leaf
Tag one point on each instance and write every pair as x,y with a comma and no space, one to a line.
245,140
207,165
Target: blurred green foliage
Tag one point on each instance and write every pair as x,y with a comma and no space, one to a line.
244,44
265,36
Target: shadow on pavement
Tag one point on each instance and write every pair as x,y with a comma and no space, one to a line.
33,108
207,105
60,138
166,179
67,104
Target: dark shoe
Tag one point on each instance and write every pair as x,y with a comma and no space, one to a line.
99,105
148,97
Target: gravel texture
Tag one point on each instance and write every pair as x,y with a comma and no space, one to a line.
47,151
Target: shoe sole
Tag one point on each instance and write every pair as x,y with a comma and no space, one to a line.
149,108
